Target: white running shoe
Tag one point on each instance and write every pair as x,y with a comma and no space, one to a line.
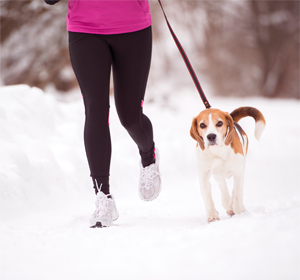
106,211
150,181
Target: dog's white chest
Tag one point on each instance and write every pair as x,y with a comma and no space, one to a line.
219,161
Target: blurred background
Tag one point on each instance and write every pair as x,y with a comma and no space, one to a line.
238,48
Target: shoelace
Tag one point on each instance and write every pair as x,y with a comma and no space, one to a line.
101,206
148,175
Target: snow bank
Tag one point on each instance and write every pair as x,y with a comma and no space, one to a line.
41,147
47,198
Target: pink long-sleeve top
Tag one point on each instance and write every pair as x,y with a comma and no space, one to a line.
108,16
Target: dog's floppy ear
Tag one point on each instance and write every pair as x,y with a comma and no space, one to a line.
195,135
230,128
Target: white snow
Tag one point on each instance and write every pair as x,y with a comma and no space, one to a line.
47,198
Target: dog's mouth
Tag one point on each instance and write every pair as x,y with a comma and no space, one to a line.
212,144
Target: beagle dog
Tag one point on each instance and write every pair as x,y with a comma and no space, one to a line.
221,152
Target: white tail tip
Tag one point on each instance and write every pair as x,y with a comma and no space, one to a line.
259,128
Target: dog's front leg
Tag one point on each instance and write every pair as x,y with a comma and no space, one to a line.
224,191
237,194
205,188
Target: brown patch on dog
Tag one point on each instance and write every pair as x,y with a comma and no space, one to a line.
236,144
229,136
195,133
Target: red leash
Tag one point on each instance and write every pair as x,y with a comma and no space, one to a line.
187,62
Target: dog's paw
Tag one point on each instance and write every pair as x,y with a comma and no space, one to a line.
213,217
230,212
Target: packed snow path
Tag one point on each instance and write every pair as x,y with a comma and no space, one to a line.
47,197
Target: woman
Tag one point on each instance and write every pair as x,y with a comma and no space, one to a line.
117,35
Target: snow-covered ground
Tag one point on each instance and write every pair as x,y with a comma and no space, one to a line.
47,196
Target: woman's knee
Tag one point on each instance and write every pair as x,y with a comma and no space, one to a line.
96,113
129,120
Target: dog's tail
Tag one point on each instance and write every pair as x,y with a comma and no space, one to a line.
243,112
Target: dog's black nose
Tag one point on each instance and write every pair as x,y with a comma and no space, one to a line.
211,137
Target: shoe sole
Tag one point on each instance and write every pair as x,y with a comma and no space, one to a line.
97,225
102,224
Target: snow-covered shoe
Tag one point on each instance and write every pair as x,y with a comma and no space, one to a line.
150,181
106,211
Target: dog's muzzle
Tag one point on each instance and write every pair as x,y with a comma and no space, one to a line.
212,139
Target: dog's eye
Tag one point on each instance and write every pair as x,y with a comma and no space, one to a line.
202,125
220,123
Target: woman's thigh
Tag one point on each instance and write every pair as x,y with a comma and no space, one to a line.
91,61
131,64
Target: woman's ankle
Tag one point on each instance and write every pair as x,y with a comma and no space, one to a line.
101,184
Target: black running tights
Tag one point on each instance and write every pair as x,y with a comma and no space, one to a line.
129,56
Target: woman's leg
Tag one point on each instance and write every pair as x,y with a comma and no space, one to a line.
131,64
91,60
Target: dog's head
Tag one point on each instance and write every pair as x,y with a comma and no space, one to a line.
212,127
